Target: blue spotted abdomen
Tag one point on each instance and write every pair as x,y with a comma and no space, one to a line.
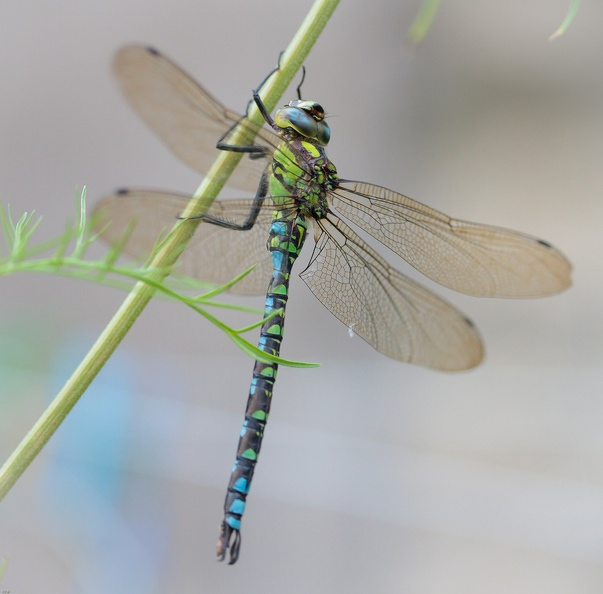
285,242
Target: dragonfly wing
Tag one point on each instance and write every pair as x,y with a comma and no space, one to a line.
214,254
185,116
471,258
391,312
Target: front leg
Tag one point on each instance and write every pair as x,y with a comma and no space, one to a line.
251,217
254,151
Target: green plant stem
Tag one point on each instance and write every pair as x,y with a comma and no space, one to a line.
142,293
567,21
423,21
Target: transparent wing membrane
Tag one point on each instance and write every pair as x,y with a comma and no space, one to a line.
471,258
391,312
183,114
214,254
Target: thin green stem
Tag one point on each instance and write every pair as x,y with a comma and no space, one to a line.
142,292
423,21
567,21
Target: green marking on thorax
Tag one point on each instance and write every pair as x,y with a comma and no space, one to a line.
311,148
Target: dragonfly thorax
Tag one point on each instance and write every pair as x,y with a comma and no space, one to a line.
306,118
302,172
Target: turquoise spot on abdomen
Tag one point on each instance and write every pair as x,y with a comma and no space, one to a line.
233,522
237,507
241,485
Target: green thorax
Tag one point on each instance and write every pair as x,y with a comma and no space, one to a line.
302,175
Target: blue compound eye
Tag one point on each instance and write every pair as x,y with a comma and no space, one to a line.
298,119
323,134
305,117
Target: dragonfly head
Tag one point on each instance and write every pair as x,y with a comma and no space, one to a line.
306,118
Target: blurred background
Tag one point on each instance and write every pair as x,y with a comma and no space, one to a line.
375,475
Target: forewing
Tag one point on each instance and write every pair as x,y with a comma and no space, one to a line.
214,254
471,258
392,313
185,116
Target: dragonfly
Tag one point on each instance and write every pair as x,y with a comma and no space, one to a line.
299,193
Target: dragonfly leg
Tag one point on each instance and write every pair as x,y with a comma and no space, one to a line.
265,114
255,152
251,218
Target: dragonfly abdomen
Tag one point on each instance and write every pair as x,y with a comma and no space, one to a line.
286,239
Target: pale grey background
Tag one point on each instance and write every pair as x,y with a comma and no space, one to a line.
375,476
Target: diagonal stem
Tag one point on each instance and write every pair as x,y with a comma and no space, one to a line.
142,293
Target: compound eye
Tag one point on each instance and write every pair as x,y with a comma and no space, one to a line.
323,134
293,116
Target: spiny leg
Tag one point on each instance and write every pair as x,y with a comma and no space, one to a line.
251,217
